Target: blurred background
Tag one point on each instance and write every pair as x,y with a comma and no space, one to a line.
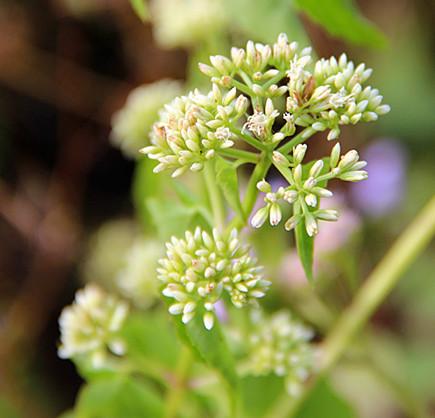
66,66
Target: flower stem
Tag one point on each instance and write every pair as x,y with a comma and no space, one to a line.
298,139
247,138
258,174
372,293
175,393
246,156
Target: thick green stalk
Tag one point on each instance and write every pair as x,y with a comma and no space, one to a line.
258,174
372,293
215,197
175,393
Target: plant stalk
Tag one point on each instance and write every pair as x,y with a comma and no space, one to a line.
371,295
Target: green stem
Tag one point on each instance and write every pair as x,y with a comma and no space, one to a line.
247,138
273,80
298,139
214,194
175,393
242,87
247,156
372,293
286,173
258,174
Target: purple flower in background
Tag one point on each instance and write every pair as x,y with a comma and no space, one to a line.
384,189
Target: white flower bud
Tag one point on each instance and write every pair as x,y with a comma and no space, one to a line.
316,169
291,196
297,173
335,155
354,176
275,214
292,222
348,160
299,153
208,319
260,217
327,215
280,159
263,186
310,225
311,200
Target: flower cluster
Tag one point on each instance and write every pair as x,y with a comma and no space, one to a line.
132,123
90,326
281,344
137,279
186,23
338,99
198,269
192,128
306,189
331,96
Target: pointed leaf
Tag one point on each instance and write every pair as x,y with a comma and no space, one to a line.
305,246
342,19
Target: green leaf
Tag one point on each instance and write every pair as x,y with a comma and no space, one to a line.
141,9
209,347
342,19
118,397
226,177
184,193
262,21
323,401
172,218
259,392
305,246
144,185
150,335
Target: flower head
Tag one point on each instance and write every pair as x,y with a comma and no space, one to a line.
191,129
199,268
281,344
90,326
132,123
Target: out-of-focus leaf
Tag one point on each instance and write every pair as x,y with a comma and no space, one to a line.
262,21
209,347
325,402
305,246
145,184
259,392
150,335
184,193
172,218
226,177
118,397
342,19
141,9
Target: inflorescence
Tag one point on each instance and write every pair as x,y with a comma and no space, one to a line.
280,344
199,268
260,96
90,326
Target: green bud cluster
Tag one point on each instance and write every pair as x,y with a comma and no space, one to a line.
280,344
199,268
192,128
304,189
90,326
